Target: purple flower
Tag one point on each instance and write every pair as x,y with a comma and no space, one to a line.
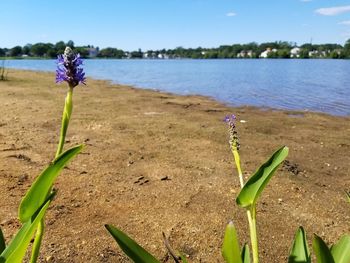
234,141
230,118
68,68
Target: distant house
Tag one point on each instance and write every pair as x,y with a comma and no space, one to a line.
313,53
318,54
266,53
245,54
295,52
93,52
162,56
241,54
127,54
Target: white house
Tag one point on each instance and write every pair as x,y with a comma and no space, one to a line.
265,53
245,54
295,52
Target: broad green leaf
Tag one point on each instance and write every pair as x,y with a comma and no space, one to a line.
250,192
341,250
16,250
39,190
2,242
300,252
245,255
133,250
323,254
230,247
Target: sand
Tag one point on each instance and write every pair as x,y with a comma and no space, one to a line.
158,162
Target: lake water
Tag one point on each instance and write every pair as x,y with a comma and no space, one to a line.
312,85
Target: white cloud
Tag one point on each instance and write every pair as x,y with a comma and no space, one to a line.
332,11
346,23
231,14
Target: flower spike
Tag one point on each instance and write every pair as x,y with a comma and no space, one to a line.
234,141
68,68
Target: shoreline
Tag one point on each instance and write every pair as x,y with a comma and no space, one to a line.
157,161
227,104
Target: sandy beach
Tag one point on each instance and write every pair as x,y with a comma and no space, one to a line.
158,162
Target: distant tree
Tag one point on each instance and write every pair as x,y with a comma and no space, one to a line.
196,55
52,53
304,53
39,49
272,54
342,54
211,54
347,49
26,49
60,47
70,44
224,53
347,45
330,47
136,54
283,53
111,53
334,54
179,52
251,46
237,48
252,49
83,52
16,51
307,47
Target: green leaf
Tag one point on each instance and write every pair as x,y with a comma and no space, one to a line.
300,252
16,250
2,242
245,255
39,190
341,250
130,247
250,192
230,247
323,254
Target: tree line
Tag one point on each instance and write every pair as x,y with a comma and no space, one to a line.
278,49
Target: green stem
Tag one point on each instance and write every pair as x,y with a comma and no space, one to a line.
251,213
253,233
67,112
238,165
37,241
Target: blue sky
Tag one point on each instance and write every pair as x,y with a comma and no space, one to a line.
156,24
